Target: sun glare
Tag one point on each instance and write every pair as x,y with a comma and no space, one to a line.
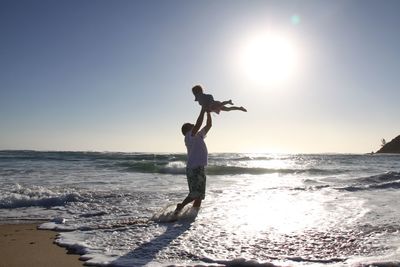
269,59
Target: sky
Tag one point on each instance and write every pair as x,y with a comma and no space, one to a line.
117,75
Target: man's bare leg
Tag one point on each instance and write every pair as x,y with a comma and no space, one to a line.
197,203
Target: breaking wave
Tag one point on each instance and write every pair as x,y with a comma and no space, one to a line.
36,197
388,180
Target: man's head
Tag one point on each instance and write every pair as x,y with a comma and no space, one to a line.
186,127
197,89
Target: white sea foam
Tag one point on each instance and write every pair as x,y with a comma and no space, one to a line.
39,196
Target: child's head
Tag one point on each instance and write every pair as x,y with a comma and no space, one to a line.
197,90
186,127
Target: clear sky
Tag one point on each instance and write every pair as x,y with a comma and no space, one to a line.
315,76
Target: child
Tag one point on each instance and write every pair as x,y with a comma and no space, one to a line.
209,104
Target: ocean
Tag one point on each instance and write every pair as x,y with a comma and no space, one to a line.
259,210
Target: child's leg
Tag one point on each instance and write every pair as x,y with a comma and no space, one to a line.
233,108
229,102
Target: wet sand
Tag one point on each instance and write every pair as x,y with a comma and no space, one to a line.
24,245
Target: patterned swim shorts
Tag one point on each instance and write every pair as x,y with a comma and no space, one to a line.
196,179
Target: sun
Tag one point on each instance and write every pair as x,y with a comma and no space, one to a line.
269,59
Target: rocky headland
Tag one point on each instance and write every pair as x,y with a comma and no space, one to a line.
391,147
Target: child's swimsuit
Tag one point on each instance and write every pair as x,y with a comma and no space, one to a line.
208,103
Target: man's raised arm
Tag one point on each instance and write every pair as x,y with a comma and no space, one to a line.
199,122
208,123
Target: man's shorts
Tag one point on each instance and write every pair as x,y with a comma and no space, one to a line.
197,182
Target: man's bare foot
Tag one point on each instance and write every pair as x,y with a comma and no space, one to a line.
178,209
243,109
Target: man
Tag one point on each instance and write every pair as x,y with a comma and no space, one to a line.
196,160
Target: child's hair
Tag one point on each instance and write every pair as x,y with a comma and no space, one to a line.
197,89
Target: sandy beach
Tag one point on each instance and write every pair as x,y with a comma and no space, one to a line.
24,245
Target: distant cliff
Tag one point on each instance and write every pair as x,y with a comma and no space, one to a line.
391,147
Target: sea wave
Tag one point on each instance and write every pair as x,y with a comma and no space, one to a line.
33,155
174,163
383,177
236,170
380,264
387,180
179,168
254,263
36,197
391,185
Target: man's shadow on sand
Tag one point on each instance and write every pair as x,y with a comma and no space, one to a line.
146,252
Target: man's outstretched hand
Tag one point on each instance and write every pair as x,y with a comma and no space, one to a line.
199,122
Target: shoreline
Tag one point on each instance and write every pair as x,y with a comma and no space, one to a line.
24,245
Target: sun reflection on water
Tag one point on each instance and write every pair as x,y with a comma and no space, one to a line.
274,211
